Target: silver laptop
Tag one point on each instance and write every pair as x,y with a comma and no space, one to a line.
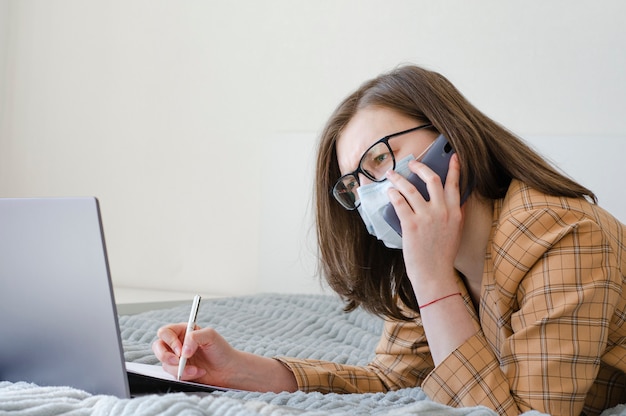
58,321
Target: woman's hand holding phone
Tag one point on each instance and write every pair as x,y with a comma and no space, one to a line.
431,228
430,245
436,158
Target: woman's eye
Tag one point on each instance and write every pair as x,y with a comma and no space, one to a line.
350,185
381,158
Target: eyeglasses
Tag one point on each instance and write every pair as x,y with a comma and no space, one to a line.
374,163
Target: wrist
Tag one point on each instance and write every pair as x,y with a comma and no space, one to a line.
266,374
434,287
436,300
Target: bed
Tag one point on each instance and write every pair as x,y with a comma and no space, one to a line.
312,326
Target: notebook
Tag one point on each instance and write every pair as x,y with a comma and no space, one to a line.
58,319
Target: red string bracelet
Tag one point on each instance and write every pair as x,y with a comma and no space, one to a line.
441,298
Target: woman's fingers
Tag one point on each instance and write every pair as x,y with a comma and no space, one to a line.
452,188
208,354
171,336
404,194
437,192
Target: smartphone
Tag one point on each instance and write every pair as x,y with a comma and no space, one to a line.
438,159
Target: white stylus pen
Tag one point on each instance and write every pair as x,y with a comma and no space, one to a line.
191,324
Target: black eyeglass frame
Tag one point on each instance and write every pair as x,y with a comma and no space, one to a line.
359,168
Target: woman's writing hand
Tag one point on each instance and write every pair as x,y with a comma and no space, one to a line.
212,360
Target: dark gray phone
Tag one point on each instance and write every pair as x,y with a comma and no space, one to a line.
438,159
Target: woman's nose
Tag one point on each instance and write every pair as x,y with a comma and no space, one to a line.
364,180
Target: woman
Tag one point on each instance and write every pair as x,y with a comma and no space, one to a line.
512,298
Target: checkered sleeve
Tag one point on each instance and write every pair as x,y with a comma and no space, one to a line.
402,360
557,275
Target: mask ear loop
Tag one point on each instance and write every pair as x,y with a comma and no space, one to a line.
418,158
421,155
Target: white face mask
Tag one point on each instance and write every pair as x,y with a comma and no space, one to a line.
373,198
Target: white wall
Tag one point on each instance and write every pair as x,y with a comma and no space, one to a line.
193,121
4,43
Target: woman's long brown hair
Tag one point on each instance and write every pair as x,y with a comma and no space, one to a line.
359,267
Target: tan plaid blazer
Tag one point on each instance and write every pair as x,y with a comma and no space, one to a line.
552,336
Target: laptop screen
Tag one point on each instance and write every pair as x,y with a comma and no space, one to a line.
57,312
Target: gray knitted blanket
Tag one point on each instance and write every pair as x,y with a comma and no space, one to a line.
307,326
